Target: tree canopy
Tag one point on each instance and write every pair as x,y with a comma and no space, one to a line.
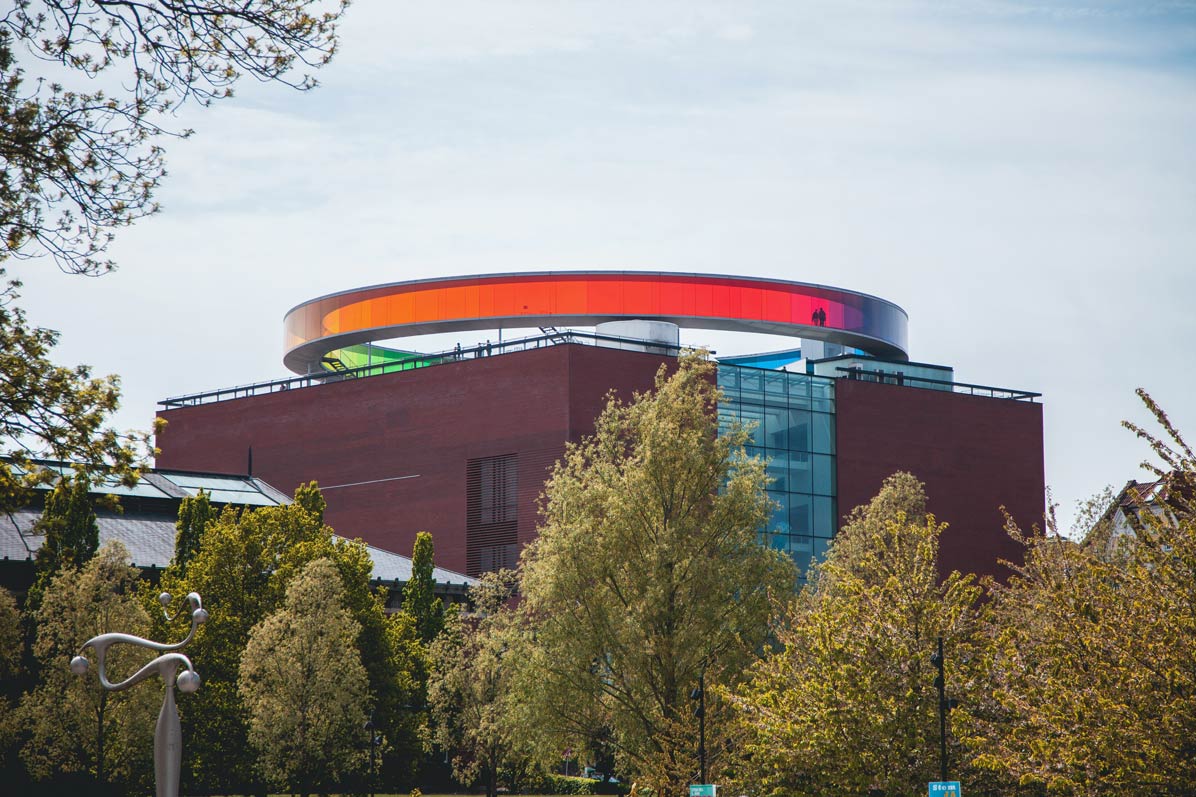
81,151
303,685
245,561
849,705
52,412
71,726
1091,674
469,688
648,570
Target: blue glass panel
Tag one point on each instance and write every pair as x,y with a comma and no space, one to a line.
801,478
728,416
824,516
800,514
823,426
799,391
780,514
821,546
824,474
775,386
728,379
802,559
800,430
753,420
776,427
778,471
751,385
823,394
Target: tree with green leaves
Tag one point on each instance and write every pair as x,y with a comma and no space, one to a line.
242,569
12,645
1091,671
849,704
74,731
304,687
80,162
72,534
469,690
54,413
195,513
419,596
648,572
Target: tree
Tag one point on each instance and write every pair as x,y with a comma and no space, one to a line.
1092,666
849,704
79,162
648,569
51,412
72,534
242,569
303,685
419,597
472,664
12,645
73,728
195,513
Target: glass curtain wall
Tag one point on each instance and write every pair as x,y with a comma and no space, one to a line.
794,431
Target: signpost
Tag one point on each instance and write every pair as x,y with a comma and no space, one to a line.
703,790
942,788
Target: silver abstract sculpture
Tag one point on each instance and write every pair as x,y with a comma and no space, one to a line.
168,738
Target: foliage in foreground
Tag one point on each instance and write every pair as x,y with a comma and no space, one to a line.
70,726
1092,676
51,412
647,571
245,561
304,687
78,162
469,690
849,704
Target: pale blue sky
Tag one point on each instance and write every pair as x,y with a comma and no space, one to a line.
1020,177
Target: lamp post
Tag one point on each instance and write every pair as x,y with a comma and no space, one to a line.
699,695
168,736
374,740
940,681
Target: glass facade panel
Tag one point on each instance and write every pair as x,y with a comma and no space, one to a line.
794,432
823,468
824,516
823,432
776,427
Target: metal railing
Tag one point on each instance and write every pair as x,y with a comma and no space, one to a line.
457,354
881,376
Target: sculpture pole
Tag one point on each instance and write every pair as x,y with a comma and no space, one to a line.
168,737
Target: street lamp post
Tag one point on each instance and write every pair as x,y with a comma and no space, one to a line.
940,681
699,695
168,736
374,740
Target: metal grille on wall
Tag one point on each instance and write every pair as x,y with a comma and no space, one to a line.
491,513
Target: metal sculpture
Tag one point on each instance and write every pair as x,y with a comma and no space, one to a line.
168,737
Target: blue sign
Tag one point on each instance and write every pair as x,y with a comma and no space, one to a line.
944,788
702,790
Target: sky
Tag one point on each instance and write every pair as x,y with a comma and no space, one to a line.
1020,177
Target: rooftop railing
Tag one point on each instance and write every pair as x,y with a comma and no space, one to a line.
550,337
881,376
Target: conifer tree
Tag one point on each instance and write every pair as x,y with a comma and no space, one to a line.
195,513
419,597
72,533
